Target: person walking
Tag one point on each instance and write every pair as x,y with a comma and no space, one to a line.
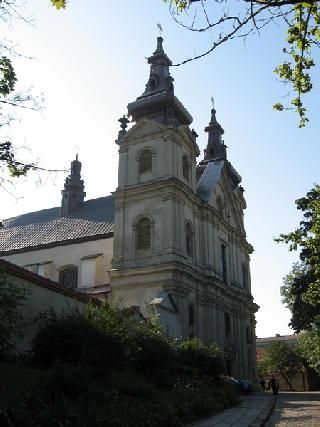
274,386
263,384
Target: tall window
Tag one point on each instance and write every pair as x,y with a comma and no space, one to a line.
244,276
69,277
145,162
248,334
227,325
143,231
191,315
185,168
189,239
224,261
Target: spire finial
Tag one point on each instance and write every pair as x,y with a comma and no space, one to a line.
77,157
212,102
160,29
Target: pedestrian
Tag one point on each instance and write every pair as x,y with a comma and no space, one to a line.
274,386
263,384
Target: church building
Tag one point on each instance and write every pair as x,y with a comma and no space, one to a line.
171,237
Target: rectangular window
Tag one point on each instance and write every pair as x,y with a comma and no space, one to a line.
244,276
191,315
248,333
249,358
224,261
227,325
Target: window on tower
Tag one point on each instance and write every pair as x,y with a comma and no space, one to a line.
224,261
185,168
143,233
145,162
189,239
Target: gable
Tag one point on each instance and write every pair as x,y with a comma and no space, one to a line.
232,210
141,129
217,187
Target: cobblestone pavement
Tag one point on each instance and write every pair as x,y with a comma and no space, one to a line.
298,409
253,410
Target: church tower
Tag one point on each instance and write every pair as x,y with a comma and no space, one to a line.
179,239
154,218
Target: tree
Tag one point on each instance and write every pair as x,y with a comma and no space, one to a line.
281,358
309,347
227,20
301,290
12,297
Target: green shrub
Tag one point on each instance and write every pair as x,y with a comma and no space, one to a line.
12,297
153,356
194,358
72,340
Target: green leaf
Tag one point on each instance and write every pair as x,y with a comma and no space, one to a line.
59,4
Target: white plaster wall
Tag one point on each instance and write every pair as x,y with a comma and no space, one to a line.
60,256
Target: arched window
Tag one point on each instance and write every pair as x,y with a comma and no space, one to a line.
189,239
185,168
143,234
68,277
145,162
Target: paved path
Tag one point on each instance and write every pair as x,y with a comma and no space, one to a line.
253,410
296,409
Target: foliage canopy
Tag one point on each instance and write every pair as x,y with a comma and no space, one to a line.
227,20
301,289
281,358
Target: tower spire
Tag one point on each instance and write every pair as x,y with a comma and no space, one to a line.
158,101
159,79
215,146
73,193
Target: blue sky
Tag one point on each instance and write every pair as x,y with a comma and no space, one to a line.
89,62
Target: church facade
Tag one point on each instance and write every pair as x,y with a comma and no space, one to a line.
170,238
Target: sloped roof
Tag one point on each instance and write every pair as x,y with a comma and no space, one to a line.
93,219
209,179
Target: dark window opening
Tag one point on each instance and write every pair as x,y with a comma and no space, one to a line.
227,325
144,234
249,358
248,334
189,239
191,315
69,277
185,168
224,261
145,162
244,276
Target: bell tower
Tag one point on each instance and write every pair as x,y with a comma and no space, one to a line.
156,180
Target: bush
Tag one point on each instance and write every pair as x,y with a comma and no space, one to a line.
194,358
72,340
153,356
12,297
